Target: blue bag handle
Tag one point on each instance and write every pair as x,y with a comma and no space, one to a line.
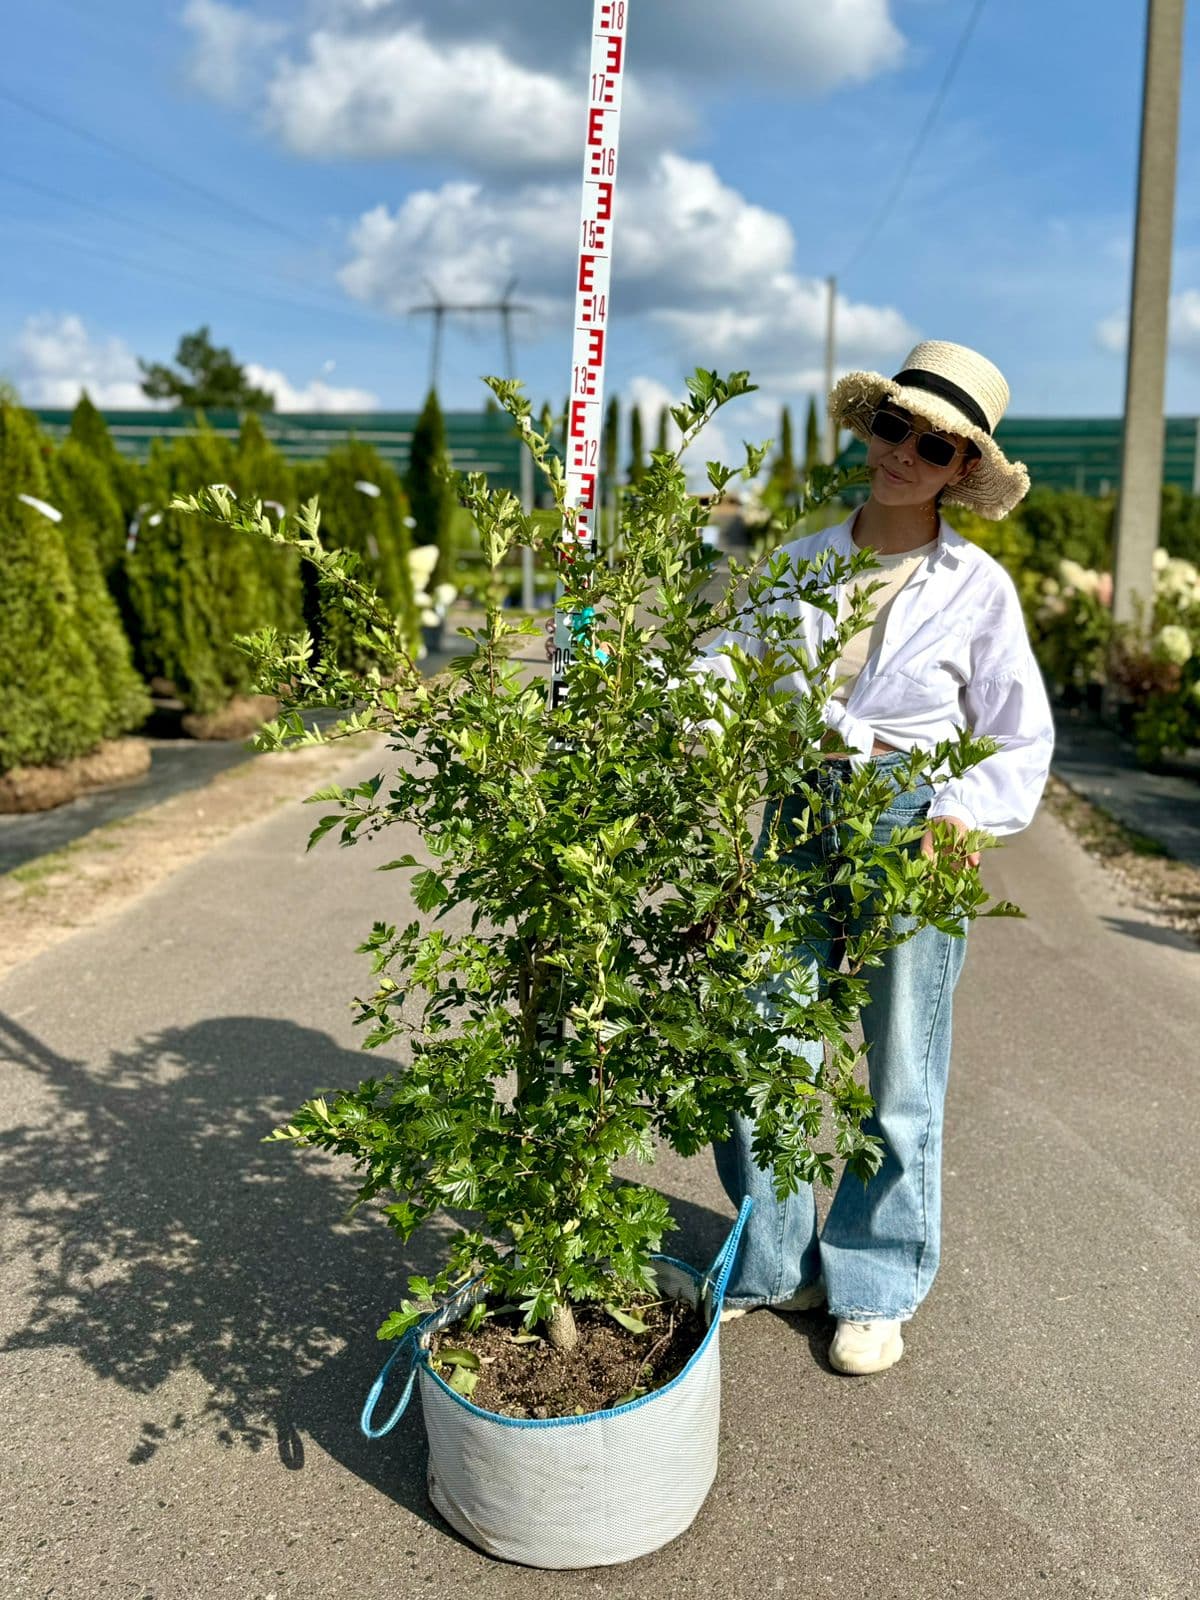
719,1273
409,1340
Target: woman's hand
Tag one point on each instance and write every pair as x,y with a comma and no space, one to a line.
938,837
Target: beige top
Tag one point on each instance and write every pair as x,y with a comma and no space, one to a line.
894,571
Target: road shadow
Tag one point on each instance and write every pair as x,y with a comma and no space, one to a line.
165,1236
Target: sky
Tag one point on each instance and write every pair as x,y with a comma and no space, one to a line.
298,174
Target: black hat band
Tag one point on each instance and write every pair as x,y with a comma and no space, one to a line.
915,378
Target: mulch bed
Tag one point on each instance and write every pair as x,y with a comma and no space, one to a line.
242,717
24,789
609,1363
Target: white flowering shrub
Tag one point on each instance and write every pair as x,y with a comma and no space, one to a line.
1154,663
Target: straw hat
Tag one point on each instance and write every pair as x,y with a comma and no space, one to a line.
958,391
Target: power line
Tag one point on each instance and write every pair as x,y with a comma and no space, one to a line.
141,225
926,128
277,301
277,228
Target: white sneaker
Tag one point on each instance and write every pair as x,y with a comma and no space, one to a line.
861,1347
806,1299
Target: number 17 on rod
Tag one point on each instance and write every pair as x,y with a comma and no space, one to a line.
585,409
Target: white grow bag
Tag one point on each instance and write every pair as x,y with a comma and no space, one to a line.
574,1491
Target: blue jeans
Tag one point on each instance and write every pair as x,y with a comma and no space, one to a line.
879,1249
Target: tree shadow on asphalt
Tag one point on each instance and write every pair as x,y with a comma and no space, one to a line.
166,1237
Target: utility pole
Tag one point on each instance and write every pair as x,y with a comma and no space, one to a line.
506,307
1139,496
831,434
440,309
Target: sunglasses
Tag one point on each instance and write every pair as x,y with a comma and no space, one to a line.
932,447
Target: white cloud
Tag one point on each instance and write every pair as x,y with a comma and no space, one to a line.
316,395
1185,322
1184,338
684,237
712,270
502,89
230,47
782,332
1112,333
56,358
807,46
378,96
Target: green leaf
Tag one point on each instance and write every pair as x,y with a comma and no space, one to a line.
451,1356
635,1393
463,1381
322,828
428,890
631,1323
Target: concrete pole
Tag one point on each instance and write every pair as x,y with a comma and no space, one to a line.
831,438
1138,501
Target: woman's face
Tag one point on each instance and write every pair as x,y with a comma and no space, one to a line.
901,477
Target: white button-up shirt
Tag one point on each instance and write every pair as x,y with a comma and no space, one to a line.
955,654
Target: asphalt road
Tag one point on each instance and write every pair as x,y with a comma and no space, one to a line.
187,1323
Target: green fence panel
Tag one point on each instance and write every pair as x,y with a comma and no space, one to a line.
482,441
1079,453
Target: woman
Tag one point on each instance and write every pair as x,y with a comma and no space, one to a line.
947,648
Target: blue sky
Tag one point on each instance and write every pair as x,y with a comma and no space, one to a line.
348,149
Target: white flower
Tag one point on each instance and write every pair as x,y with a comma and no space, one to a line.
1176,579
1160,559
429,618
422,559
1072,574
444,596
1173,644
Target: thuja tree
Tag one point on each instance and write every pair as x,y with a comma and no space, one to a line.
82,492
192,587
52,698
429,486
258,468
372,527
600,913
90,432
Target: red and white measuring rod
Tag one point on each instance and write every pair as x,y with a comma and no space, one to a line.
585,414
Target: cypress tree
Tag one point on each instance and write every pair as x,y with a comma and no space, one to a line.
82,492
812,438
782,481
90,432
429,491
664,427
52,701
612,441
192,586
260,472
610,445
637,451
373,527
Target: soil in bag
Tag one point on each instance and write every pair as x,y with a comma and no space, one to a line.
517,1376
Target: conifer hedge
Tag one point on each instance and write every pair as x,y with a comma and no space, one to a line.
373,526
53,703
82,492
192,586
